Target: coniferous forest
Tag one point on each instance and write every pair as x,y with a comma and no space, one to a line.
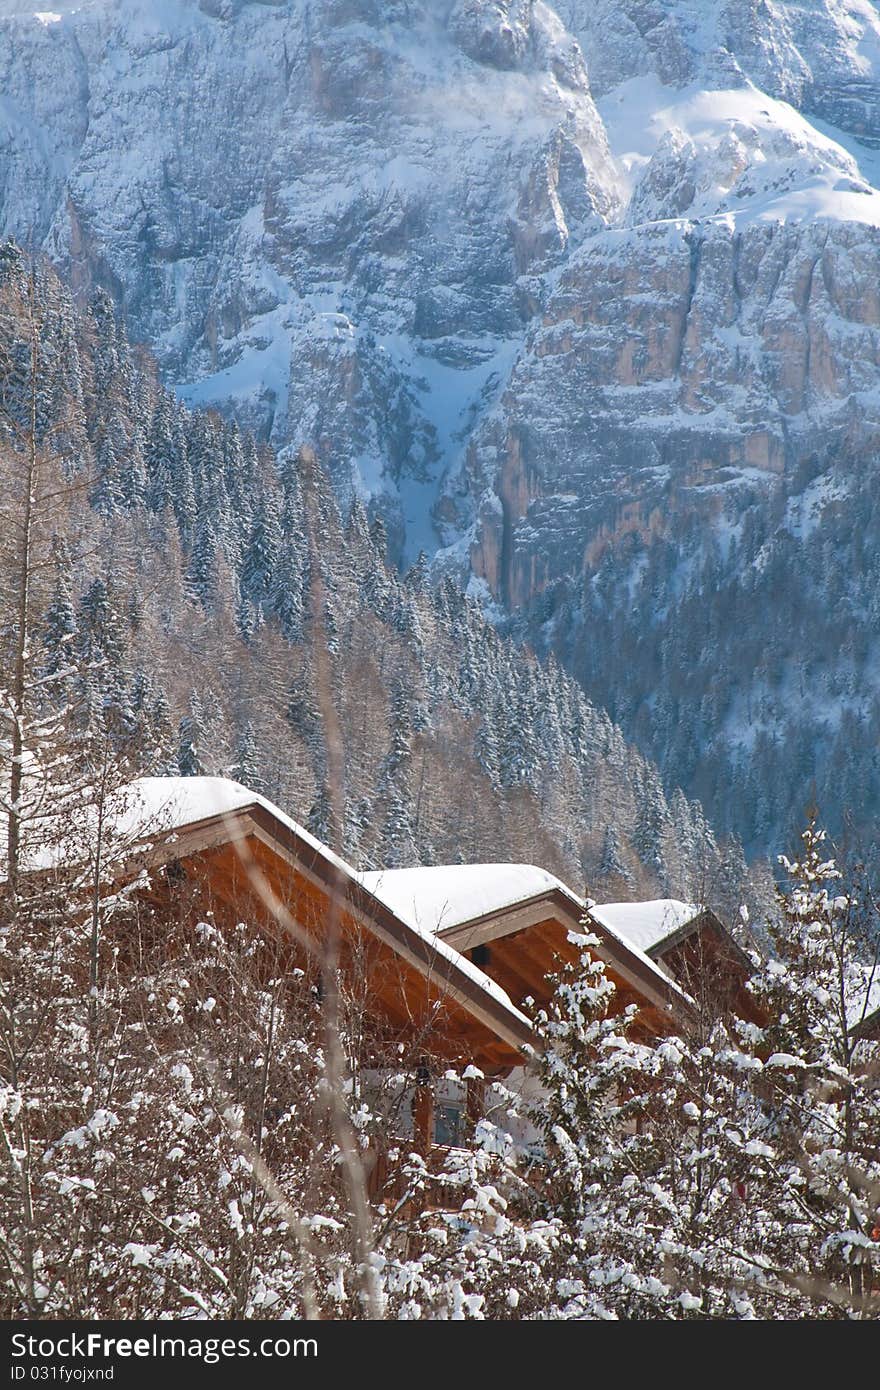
179,565
439,612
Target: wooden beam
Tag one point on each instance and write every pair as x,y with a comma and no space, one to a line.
492,927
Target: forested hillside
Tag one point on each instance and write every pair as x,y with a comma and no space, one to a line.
225,612
580,298
743,655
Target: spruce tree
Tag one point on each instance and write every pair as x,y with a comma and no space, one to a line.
817,985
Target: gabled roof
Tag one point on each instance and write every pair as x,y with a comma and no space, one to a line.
429,916
437,898
469,905
171,816
647,925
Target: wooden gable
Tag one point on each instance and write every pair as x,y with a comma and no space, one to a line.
703,957
249,865
521,946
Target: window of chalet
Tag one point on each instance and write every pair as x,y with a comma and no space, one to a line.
449,1123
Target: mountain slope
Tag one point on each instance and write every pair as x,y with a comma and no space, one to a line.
223,613
325,215
556,291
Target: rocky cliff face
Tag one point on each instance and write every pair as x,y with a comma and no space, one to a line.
328,216
820,57
539,283
403,233
671,363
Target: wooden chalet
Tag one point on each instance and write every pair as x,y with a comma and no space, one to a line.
514,922
443,954
443,958
243,859
690,944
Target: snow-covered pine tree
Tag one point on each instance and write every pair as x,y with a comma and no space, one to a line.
652,819
190,740
612,870
246,768
660,1157
321,820
261,552
820,1080
163,461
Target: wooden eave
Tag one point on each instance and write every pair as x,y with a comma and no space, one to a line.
868,1028
646,981
256,821
705,918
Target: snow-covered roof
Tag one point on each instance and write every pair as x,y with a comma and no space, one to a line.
145,808
157,805
185,799
645,925
423,900
442,896
154,804
439,898
865,1003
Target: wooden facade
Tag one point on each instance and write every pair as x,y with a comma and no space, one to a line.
253,863
455,992
521,947
248,864
706,961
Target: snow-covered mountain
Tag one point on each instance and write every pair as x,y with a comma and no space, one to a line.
725,328
330,215
541,282
357,222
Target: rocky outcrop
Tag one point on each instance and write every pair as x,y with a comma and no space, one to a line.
235,173
819,57
756,350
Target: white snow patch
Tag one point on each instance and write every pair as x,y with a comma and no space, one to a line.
645,925
436,898
753,158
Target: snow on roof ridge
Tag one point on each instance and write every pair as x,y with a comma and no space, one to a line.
644,925
437,897
224,796
397,888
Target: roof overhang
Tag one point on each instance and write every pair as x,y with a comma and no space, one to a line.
635,969
701,921
432,958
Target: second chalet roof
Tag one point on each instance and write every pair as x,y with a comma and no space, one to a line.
646,925
443,900
436,898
